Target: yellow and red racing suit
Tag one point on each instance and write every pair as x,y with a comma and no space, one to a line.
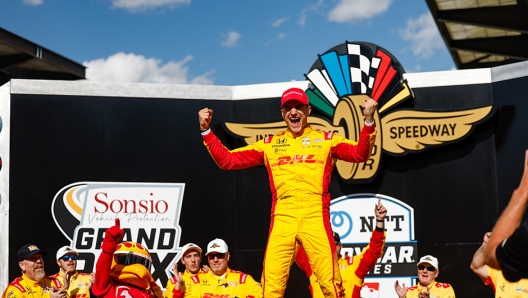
80,284
186,276
504,288
232,284
436,289
353,269
23,287
299,171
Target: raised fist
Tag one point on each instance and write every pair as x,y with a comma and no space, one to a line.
112,237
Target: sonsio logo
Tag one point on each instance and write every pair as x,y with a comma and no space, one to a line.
352,217
149,214
341,79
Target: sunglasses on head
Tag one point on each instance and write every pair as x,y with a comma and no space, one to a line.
429,268
218,255
68,257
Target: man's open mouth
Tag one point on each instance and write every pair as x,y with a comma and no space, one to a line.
295,120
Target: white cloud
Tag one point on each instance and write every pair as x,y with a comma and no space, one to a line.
123,67
307,9
280,36
423,35
231,39
33,2
278,22
350,11
139,5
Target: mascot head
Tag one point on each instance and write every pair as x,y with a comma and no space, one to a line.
131,264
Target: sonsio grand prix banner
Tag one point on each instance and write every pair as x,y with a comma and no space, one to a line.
149,214
341,79
352,217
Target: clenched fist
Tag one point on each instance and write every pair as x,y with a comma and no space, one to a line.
369,109
204,117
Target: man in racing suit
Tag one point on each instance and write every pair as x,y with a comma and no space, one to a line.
353,269
299,163
494,278
192,258
427,285
75,283
507,245
33,283
219,281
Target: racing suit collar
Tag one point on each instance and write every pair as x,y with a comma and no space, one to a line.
221,277
306,131
420,287
61,274
33,282
191,274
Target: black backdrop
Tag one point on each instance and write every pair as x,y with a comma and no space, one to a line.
457,191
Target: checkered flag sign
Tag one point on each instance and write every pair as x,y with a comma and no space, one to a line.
363,68
354,68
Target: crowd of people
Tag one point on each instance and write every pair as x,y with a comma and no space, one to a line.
299,161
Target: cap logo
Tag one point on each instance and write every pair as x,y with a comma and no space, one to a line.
428,259
214,245
33,247
293,92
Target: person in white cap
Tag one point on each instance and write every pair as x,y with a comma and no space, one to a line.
427,286
191,259
75,283
220,281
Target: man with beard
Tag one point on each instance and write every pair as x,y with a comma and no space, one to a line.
427,285
33,283
76,284
219,281
299,162
192,259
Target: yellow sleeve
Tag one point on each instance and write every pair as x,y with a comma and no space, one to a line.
254,289
13,292
168,289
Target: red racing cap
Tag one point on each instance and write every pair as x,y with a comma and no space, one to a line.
294,94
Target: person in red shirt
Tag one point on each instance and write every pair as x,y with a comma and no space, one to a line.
123,269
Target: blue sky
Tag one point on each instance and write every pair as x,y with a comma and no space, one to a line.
222,42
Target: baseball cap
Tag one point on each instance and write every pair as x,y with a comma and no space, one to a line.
190,246
429,259
64,251
28,251
337,239
217,245
294,94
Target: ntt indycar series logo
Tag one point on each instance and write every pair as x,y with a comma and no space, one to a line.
149,214
352,217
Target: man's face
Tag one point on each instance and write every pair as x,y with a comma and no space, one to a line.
339,246
192,260
218,262
295,114
427,274
68,263
33,267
